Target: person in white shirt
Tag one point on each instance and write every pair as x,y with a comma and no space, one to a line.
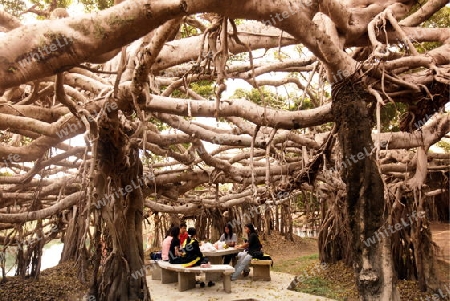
230,240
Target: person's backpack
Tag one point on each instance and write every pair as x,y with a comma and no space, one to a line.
156,255
263,256
266,257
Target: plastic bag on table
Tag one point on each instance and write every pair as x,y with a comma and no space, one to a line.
220,245
207,247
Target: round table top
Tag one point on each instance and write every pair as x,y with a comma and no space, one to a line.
222,252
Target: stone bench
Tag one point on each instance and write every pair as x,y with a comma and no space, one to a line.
261,269
171,273
154,268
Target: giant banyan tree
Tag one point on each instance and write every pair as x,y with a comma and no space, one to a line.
100,129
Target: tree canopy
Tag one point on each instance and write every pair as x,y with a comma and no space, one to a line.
131,80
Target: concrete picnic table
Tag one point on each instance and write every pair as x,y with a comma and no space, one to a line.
215,257
186,276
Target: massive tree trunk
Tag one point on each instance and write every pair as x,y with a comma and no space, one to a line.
119,179
367,215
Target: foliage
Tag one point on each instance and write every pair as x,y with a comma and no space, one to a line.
5,137
188,31
300,49
292,102
302,200
158,123
47,3
13,7
18,7
390,116
204,88
300,103
94,5
441,19
149,158
261,97
238,21
240,57
445,146
326,127
280,55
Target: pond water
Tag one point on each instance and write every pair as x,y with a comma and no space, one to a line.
50,258
305,232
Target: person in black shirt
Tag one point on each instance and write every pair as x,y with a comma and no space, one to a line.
254,249
174,250
193,256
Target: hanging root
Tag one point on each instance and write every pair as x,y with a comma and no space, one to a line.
221,58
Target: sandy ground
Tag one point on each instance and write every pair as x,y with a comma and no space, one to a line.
240,290
441,236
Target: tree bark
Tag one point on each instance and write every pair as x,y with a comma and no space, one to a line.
120,167
352,109
334,234
73,235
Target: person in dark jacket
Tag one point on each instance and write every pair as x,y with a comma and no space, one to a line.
253,246
192,255
174,249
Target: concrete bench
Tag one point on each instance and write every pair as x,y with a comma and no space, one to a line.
171,273
261,269
154,268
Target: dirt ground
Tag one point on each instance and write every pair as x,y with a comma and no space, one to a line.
281,249
441,236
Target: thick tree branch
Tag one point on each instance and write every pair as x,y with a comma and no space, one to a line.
18,66
66,203
242,108
426,136
7,21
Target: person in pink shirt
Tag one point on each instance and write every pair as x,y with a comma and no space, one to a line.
166,247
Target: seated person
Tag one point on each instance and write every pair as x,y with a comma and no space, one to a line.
230,239
192,255
183,233
174,249
166,246
254,249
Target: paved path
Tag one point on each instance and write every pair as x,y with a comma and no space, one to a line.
244,289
